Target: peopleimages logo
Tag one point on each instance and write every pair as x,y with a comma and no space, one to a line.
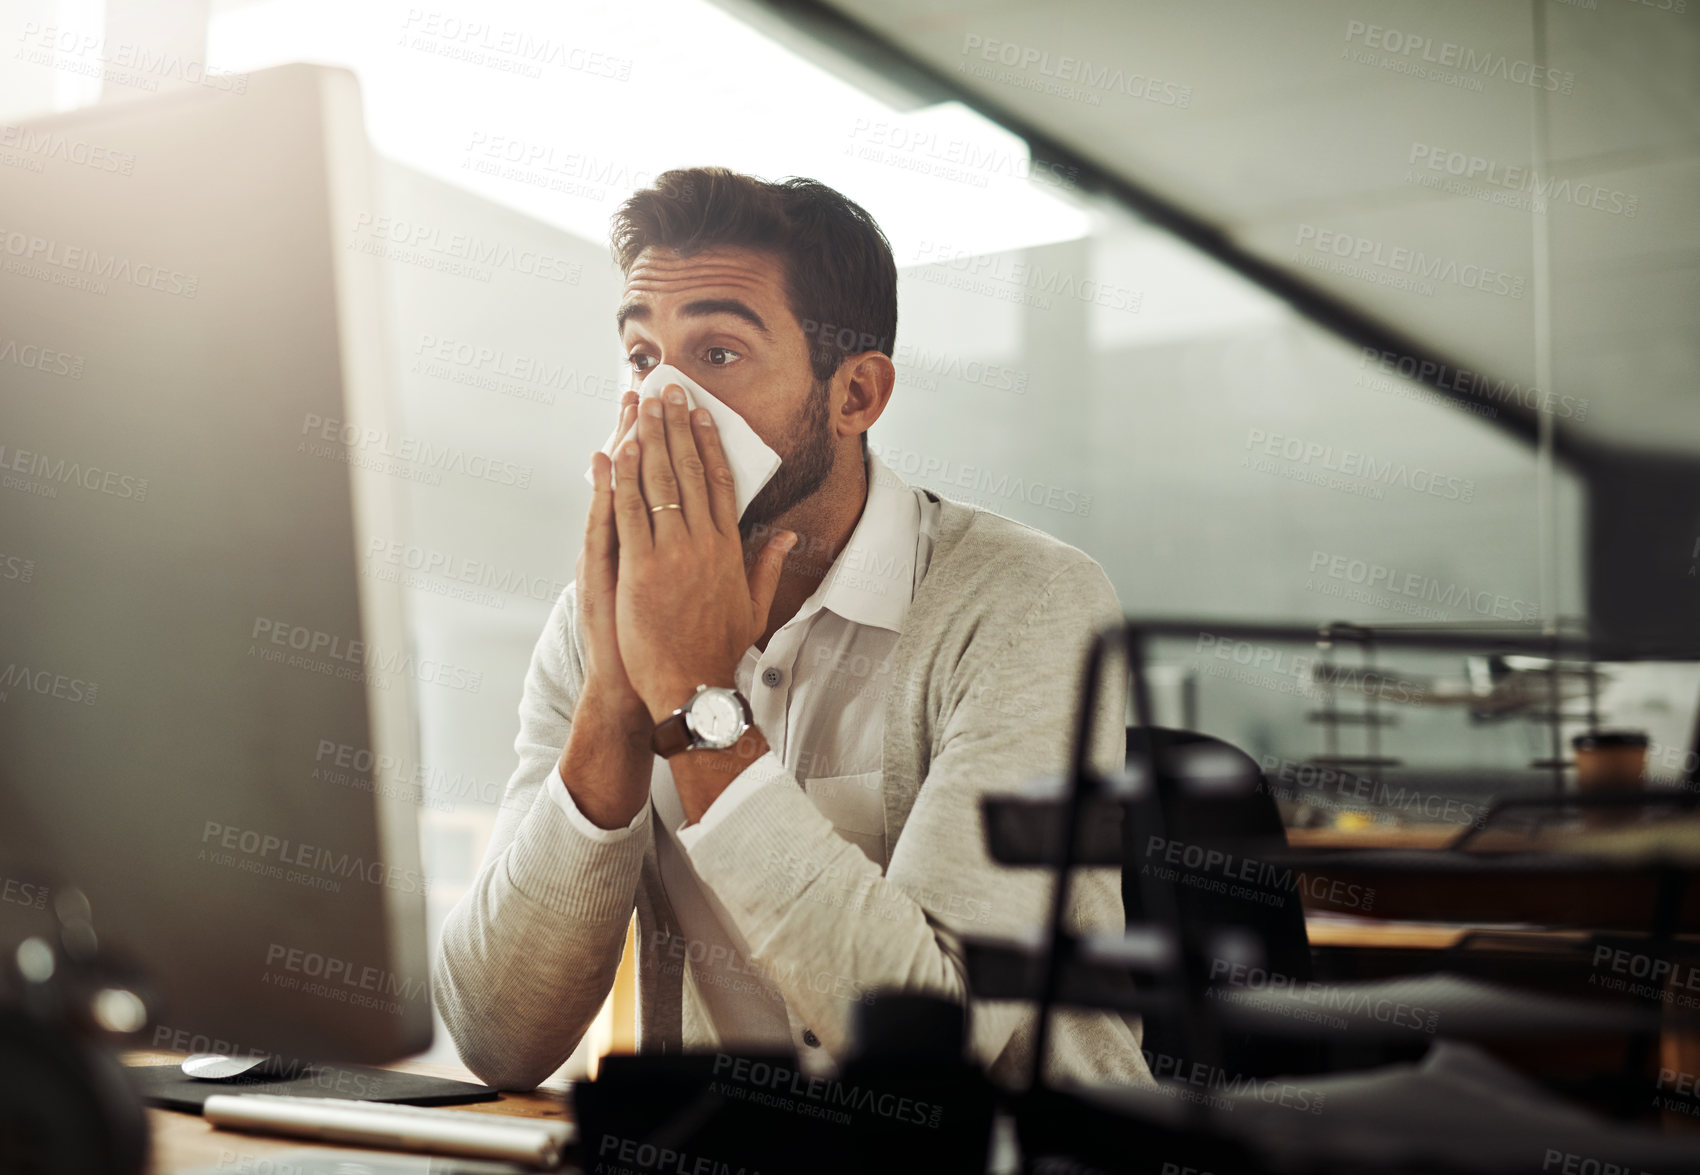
1516,181
1327,996
1194,1081
1413,51
84,268
463,254
1417,586
59,47
461,569
49,473
824,1091
1325,786
322,864
510,373
343,973
403,455
979,479
639,1155
917,148
47,684
24,893
16,567
1355,463
1004,277
337,656
1266,884
1407,262
722,966
347,765
43,359
1077,71
570,173
511,50
1293,672
1471,383
38,145
929,364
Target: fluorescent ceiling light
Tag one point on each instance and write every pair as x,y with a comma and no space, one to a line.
562,111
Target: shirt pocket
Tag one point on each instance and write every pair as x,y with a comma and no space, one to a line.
855,804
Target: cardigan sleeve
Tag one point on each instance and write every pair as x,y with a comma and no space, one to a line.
528,954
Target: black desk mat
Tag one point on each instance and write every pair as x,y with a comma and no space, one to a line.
170,1087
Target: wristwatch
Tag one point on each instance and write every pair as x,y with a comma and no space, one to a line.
715,718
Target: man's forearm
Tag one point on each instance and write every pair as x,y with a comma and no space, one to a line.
529,952
700,776
607,760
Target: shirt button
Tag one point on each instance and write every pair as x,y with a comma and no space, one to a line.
810,1039
771,677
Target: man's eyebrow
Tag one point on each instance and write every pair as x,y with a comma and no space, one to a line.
702,308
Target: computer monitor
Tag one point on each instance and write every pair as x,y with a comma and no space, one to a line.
204,705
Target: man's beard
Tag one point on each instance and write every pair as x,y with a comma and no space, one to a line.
801,471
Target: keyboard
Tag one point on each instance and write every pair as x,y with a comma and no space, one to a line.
535,1141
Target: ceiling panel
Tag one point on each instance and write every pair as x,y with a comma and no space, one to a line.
1277,123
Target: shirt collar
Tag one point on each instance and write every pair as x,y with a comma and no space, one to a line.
873,578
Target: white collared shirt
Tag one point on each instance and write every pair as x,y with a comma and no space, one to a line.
818,694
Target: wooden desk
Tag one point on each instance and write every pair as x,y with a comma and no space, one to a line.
182,1141
1375,836
1419,836
1407,945
1330,933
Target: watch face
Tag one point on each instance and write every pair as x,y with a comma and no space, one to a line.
716,718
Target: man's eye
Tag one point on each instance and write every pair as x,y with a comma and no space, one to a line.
636,359
713,351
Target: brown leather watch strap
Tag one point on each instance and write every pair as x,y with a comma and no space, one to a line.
670,735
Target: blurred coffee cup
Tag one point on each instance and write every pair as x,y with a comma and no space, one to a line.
1610,762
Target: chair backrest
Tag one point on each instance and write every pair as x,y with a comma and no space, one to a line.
1210,856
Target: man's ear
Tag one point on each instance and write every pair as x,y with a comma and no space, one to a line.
867,379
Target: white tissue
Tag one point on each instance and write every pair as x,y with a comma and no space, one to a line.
753,462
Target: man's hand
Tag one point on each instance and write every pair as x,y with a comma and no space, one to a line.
686,610
598,562
606,762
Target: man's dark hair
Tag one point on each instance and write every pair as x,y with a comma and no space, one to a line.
840,279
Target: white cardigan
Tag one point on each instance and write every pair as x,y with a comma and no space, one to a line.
983,697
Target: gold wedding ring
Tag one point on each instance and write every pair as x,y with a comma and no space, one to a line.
666,506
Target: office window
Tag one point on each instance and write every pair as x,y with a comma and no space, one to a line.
1059,360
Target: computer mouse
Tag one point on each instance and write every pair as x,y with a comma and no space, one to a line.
220,1067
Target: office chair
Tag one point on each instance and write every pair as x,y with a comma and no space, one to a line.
1242,823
